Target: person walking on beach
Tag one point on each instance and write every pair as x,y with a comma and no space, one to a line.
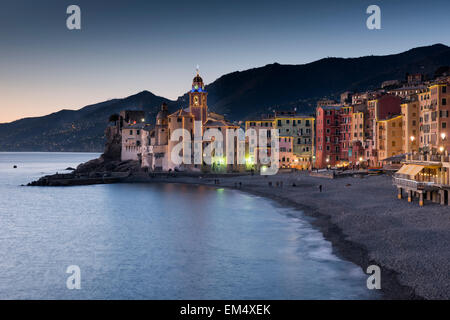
320,188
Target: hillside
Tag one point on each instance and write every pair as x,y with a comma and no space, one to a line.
68,130
238,95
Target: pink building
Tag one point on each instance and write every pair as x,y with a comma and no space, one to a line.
286,152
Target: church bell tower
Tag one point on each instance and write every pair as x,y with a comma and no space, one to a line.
198,99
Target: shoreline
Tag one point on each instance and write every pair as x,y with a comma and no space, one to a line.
343,248
360,215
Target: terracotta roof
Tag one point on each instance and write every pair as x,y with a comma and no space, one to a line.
218,123
331,107
181,113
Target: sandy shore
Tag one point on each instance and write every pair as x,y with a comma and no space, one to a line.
367,225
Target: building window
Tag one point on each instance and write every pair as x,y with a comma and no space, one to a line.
131,132
444,102
444,125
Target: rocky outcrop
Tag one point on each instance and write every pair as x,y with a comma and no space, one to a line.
113,145
101,165
108,168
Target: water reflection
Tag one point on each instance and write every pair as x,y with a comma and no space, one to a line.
149,241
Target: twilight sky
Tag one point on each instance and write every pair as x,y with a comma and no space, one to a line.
128,46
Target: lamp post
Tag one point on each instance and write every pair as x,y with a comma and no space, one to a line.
361,162
413,139
443,137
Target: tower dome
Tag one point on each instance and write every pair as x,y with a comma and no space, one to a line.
162,115
197,83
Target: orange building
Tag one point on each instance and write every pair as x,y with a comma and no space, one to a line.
390,137
411,115
434,119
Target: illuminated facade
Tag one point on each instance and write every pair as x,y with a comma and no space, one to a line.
410,134
435,119
300,131
327,136
390,137
159,147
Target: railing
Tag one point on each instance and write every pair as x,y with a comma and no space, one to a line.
427,157
401,182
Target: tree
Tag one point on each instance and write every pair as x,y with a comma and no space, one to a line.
114,117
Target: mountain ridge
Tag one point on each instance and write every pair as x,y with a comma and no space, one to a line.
238,95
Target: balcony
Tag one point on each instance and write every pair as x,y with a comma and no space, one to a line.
415,185
427,158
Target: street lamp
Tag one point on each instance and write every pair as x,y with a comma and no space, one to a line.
441,149
443,135
413,138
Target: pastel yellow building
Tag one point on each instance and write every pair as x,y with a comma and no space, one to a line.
411,133
390,137
435,118
357,133
300,129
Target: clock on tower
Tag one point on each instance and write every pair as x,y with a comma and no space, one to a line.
197,99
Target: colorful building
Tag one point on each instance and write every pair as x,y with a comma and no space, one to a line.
286,151
434,119
411,115
390,137
300,130
381,108
327,136
359,116
345,120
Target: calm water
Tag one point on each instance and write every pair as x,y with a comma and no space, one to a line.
143,241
